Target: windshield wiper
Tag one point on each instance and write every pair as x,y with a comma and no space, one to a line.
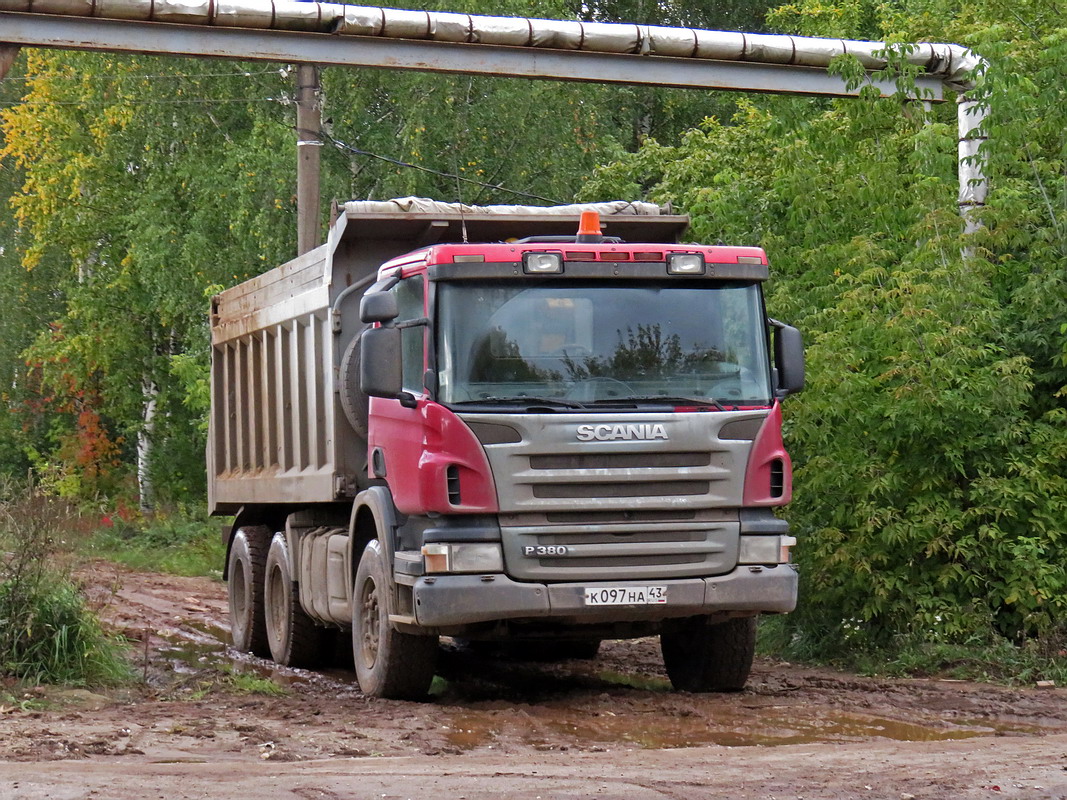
521,400
659,398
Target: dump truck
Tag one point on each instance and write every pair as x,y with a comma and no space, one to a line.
516,427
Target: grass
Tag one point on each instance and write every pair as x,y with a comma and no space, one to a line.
178,543
54,638
234,680
246,683
48,633
990,658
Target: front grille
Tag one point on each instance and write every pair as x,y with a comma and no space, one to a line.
642,489
637,479
621,551
623,512
620,460
575,517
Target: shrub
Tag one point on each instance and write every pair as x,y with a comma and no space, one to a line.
48,634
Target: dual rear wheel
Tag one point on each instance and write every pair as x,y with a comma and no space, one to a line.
295,639
246,570
266,618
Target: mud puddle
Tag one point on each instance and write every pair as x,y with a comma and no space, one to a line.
563,729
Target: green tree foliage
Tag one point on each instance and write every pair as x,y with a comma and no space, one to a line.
930,447
122,223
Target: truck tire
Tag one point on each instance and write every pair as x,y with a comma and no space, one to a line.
246,569
388,663
354,402
295,640
708,658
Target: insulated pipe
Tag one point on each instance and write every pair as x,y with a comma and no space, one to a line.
952,63
974,186
956,67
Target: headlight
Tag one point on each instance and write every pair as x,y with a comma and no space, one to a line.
480,557
765,549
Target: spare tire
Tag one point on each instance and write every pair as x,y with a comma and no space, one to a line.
353,401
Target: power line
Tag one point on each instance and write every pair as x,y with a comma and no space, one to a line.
192,101
281,72
337,143
497,187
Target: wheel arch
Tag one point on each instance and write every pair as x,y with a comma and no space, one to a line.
373,517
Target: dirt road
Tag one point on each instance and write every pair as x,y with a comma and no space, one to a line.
605,728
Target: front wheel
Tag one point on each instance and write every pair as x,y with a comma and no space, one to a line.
389,663
702,657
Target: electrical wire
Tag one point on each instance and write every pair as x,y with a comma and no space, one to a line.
193,76
196,101
337,143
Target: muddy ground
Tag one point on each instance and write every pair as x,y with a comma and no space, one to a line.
496,728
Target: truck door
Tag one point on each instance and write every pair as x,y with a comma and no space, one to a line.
396,432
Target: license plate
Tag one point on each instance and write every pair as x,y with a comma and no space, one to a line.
626,596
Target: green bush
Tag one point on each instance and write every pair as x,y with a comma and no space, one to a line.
48,634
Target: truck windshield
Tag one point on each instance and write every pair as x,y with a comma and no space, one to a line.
595,342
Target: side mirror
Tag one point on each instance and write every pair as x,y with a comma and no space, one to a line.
380,372
378,307
788,358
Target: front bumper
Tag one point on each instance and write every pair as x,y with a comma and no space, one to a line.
448,600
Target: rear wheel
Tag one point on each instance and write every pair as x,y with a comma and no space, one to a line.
245,570
388,663
708,658
295,640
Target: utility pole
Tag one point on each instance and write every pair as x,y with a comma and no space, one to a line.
8,53
308,145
